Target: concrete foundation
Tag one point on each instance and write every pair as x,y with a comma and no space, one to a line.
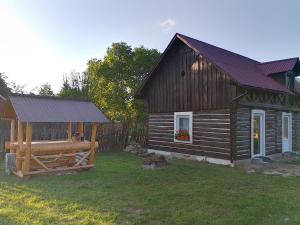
191,157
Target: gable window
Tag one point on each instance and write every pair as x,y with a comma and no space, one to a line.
183,127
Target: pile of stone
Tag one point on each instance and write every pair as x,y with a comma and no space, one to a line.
150,160
135,148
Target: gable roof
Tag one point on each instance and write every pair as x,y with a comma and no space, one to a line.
241,69
32,108
278,66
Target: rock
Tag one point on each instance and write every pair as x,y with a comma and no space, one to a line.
152,160
135,148
260,160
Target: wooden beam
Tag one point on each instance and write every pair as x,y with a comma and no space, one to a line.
57,155
268,106
69,130
93,140
20,146
53,146
59,170
12,133
40,162
80,130
26,163
82,159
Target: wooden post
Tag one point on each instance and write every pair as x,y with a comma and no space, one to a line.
26,164
12,133
80,130
20,146
69,131
93,139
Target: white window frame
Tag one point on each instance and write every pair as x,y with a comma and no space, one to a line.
290,130
176,124
263,132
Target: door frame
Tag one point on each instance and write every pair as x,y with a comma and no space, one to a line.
262,130
290,131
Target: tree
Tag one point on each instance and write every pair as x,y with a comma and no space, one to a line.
114,79
4,89
17,88
46,90
74,85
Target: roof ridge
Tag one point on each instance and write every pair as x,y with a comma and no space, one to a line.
223,49
241,69
279,60
49,97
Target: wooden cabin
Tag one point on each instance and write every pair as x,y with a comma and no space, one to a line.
217,105
37,157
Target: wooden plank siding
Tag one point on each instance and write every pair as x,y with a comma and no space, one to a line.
186,81
211,134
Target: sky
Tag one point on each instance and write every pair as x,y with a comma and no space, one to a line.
40,40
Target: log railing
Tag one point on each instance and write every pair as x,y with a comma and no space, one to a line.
51,156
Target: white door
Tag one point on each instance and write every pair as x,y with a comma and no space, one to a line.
257,133
286,132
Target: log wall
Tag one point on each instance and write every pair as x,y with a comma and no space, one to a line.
243,133
273,132
211,134
296,131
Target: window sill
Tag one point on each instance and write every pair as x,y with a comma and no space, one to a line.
186,142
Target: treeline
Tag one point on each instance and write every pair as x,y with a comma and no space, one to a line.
109,82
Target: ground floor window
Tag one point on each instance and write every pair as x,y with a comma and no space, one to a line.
183,127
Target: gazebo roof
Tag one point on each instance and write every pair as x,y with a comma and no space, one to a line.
34,108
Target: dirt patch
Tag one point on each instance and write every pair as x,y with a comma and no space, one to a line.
281,165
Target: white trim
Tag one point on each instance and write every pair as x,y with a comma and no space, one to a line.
159,152
290,130
192,157
262,127
190,115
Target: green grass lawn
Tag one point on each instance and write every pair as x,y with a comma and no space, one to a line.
118,191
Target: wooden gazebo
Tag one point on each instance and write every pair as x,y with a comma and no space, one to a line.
37,157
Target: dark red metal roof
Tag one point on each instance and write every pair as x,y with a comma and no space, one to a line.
31,108
241,69
278,66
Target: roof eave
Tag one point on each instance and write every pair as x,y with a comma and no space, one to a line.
267,89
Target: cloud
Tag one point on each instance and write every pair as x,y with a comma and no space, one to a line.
167,24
